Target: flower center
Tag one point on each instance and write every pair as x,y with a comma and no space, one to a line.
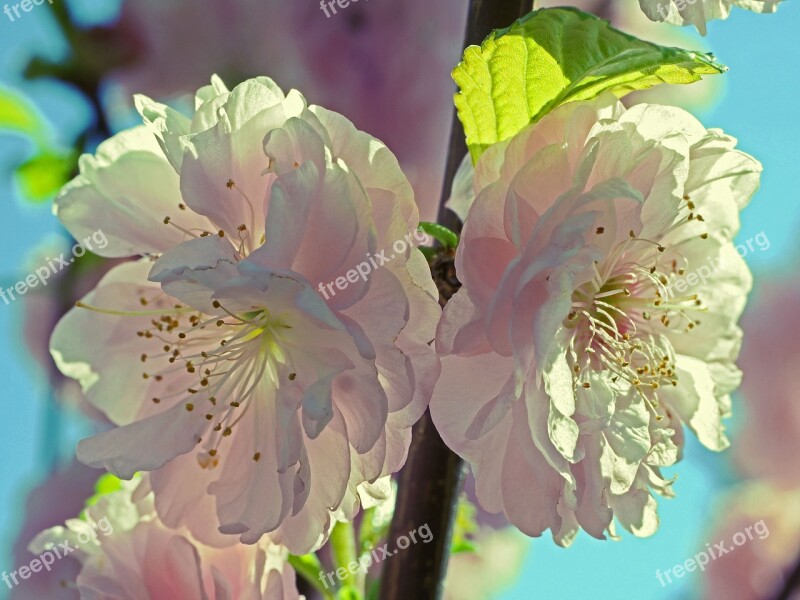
621,319
211,363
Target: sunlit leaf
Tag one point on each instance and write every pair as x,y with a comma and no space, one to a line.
349,592
554,56
464,527
41,177
447,238
107,484
19,115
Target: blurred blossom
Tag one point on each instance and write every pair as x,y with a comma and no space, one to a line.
131,555
488,550
494,565
46,304
179,44
769,441
756,569
384,65
60,497
387,65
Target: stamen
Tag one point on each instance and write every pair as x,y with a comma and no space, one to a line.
132,313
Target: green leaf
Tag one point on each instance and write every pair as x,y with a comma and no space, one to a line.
349,592
463,546
41,177
554,56
374,528
374,591
310,568
106,484
19,115
344,549
376,522
443,235
465,527
429,253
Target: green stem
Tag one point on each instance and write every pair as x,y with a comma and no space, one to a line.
309,568
345,552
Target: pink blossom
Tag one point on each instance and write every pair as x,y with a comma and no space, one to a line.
227,371
126,552
583,339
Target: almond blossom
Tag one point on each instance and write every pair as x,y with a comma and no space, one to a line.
583,337
127,552
228,373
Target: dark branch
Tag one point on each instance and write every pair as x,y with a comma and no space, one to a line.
430,482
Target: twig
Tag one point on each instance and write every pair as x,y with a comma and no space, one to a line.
430,482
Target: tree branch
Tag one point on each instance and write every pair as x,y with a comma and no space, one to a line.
430,482
791,584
